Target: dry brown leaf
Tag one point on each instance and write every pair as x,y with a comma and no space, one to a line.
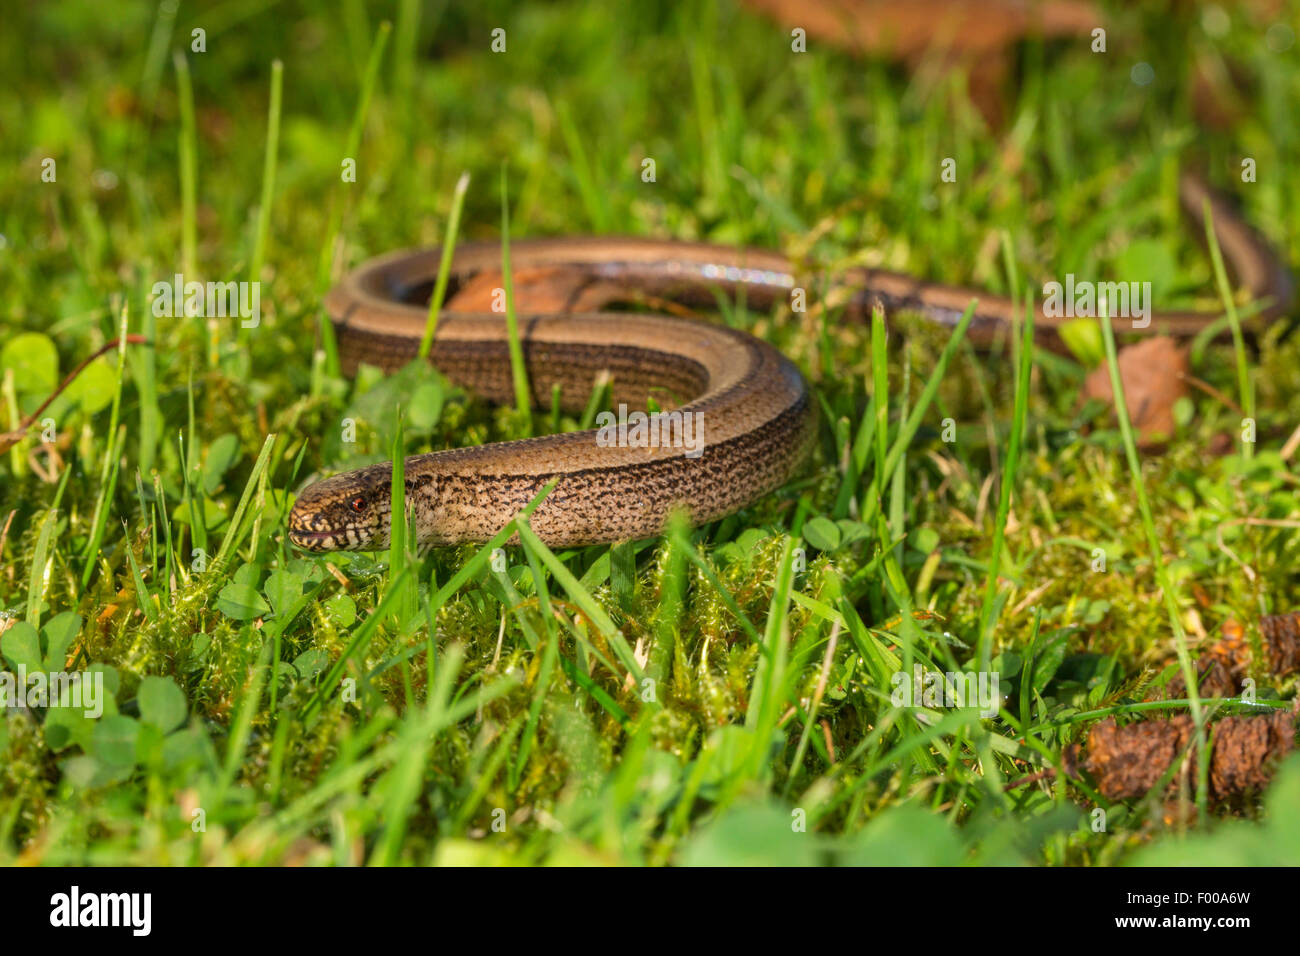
1154,375
912,29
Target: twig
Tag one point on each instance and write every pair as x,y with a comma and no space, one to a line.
15,435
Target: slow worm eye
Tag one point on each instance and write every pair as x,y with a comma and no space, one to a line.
358,504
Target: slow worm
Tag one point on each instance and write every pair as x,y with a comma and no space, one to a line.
749,409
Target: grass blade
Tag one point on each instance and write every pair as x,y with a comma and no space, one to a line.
444,265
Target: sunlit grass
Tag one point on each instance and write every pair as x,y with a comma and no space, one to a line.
681,700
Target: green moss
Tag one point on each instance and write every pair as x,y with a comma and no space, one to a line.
520,716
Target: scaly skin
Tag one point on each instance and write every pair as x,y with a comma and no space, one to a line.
752,404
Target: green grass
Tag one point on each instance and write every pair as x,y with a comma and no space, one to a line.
722,694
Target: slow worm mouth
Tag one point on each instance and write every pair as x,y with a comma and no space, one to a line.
313,540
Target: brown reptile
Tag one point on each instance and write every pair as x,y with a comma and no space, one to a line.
751,408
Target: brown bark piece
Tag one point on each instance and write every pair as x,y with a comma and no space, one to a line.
1126,762
1245,750
1224,666
1216,677
1281,633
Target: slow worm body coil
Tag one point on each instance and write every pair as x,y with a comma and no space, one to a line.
752,412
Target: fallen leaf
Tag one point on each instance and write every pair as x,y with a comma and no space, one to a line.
1154,375
913,29
973,35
